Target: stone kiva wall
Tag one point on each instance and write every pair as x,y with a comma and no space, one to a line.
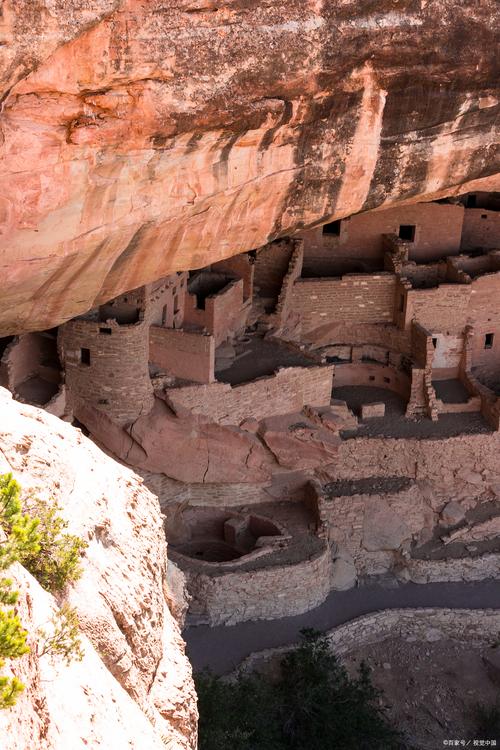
262,594
289,390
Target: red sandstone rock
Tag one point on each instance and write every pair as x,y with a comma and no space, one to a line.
141,138
297,442
194,451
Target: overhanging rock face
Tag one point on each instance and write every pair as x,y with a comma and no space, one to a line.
139,138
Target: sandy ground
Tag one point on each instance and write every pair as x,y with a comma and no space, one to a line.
430,689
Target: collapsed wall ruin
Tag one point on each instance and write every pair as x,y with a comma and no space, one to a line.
343,385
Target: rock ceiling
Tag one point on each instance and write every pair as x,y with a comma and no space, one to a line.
139,137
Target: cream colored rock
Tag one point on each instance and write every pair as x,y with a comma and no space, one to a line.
122,597
76,706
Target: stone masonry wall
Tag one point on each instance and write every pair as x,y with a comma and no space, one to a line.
438,233
186,355
117,379
481,229
475,626
289,390
354,298
440,309
240,266
374,375
263,594
471,458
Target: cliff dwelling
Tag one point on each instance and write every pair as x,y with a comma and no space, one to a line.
315,413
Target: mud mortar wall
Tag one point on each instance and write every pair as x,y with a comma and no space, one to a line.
353,298
287,391
263,594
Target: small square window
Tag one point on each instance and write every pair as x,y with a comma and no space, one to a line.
387,380
488,341
407,232
371,377
484,216
333,228
85,356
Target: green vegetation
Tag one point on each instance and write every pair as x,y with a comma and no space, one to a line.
63,639
57,561
314,704
38,543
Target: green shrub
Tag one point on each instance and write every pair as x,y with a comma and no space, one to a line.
57,561
314,705
63,638
53,557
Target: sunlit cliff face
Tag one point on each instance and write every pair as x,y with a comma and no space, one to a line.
139,138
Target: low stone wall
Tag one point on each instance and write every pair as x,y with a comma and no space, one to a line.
461,569
263,594
185,354
474,626
374,375
289,390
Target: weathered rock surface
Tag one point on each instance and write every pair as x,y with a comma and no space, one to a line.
122,598
452,513
138,138
383,529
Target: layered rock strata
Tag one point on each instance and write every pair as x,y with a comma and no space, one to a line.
138,138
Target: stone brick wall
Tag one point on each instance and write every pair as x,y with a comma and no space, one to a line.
438,233
444,308
462,569
481,229
353,298
370,374
384,335
484,314
117,379
271,265
187,355
289,390
474,626
439,461
224,311
263,594
241,267
286,316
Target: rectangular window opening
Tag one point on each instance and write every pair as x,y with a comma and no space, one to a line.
407,232
484,216
488,341
333,228
434,343
371,377
85,356
387,380
106,331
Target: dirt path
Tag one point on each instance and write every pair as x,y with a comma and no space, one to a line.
223,648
